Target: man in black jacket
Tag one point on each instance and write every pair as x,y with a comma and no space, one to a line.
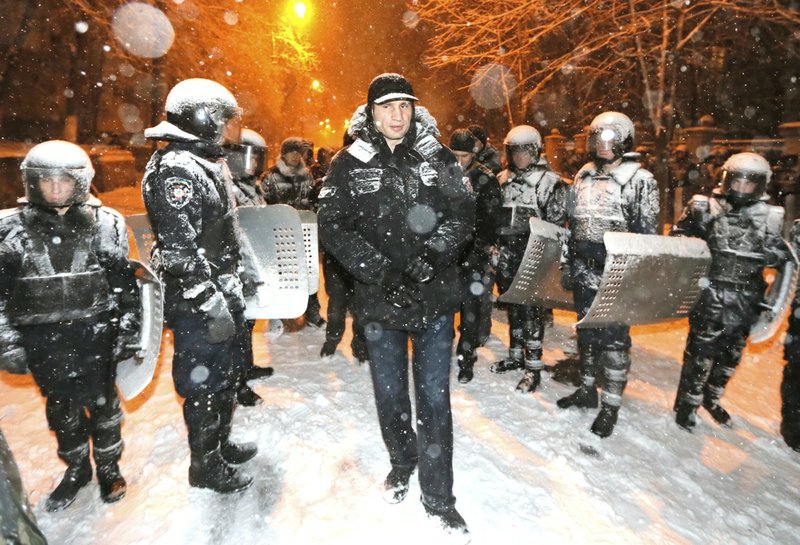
396,212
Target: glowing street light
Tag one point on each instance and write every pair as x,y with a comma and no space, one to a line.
315,85
300,10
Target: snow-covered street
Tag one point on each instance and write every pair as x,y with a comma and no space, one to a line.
526,472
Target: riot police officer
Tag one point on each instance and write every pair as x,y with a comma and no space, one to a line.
69,311
743,234
610,193
476,270
530,189
790,383
187,191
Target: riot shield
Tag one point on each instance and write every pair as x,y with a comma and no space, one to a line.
134,374
311,245
142,234
777,301
538,280
273,238
648,279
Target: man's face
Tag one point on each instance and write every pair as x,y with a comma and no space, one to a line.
521,158
744,186
292,158
464,158
393,119
57,190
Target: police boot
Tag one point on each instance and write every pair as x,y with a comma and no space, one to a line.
246,397
466,364
513,362
328,348
257,373
450,520
585,397
712,393
685,415
396,484
603,425
107,449
208,468
233,453
77,475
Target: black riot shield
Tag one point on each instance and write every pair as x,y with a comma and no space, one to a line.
777,301
648,279
538,280
134,374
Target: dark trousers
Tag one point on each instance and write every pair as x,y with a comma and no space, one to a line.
339,287
476,309
432,444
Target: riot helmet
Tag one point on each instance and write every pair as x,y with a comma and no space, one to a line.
520,141
610,136
745,177
56,174
248,158
201,109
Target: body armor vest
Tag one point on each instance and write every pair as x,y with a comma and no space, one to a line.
598,208
736,240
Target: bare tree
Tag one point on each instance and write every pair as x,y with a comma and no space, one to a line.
627,54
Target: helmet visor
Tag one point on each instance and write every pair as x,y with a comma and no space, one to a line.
55,187
601,143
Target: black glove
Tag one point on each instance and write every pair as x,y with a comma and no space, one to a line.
420,270
127,345
219,321
14,361
397,291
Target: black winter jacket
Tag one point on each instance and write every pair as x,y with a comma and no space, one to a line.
379,209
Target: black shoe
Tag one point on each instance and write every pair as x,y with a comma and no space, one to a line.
506,365
328,348
238,453
210,471
257,373
790,431
246,397
396,484
315,321
716,411
112,485
450,521
77,475
685,415
584,397
530,381
465,375
603,425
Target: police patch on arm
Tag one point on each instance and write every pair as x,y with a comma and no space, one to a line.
179,192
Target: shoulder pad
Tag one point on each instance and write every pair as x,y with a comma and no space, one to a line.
8,213
775,216
586,170
629,170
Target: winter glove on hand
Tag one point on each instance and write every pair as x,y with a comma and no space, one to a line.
127,345
219,321
397,291
13,360
419,270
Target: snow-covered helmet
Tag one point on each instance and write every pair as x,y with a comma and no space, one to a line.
56,159
741,168
248,158
204,110
610,131
523,137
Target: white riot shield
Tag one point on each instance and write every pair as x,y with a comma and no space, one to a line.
538,280
311,245
778,301
273,238
648,279
142,234
134,374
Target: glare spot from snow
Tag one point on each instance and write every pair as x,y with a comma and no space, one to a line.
143,30
56,240
69,93
410,19
749,112
491,85
101,401
106,48
199,374
703,152
421,219
404,417
434,451
230,18
81,27
127,69
476,289
684,68
704,282
373,331
567,68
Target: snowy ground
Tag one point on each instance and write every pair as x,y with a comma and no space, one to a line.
525,471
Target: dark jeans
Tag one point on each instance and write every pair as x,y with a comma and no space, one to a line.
432,444
339,287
